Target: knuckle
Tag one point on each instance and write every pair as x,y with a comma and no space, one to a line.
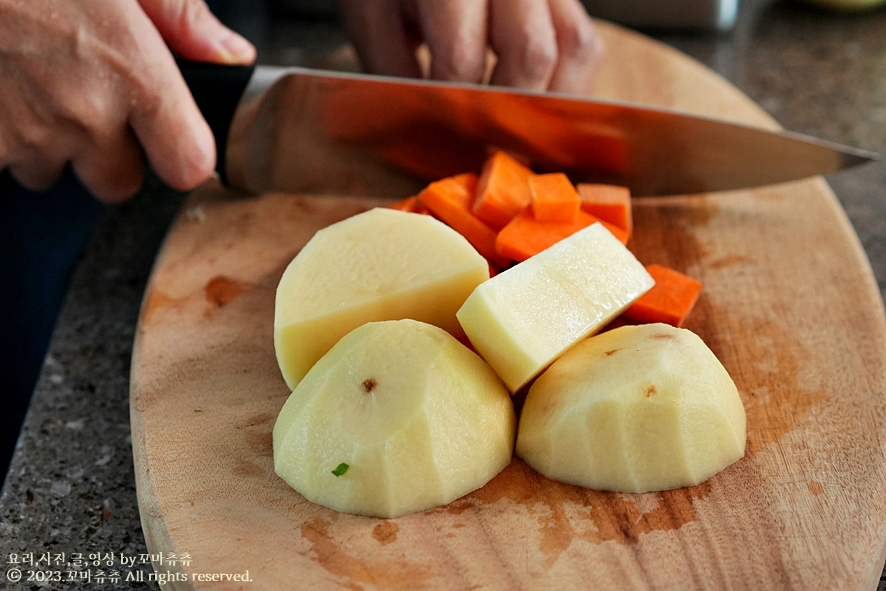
89,111
34,138
538,57
580,41
143,98
31,138
460,63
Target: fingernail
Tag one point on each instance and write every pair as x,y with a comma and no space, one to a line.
236,48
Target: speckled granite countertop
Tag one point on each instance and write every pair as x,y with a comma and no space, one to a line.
71,487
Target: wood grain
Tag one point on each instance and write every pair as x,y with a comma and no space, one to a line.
790,306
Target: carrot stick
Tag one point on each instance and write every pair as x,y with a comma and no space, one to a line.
554,199
410,204
450,200
502,191
525,236
610,203
670,300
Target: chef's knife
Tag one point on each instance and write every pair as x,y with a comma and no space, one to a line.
304,130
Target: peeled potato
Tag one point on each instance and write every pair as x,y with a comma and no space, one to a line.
382,264
524,318
397,417
636,409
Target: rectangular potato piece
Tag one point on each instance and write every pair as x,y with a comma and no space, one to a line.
524,318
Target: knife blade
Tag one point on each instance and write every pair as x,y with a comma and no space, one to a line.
307,131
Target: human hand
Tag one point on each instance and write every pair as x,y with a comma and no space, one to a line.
540,44
92,83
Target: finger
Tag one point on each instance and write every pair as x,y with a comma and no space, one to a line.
521,33
193,32
580,48
378,32
176,139
30,153
112,167
455,32
38,173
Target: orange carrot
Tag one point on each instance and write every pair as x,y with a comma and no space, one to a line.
525,236
670,300
610,203
554,199
502,191
410,204
450,200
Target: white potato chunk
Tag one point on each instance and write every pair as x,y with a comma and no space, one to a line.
382,264
636,409
524,318
397,417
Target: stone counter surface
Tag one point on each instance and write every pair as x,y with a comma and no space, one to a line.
71,486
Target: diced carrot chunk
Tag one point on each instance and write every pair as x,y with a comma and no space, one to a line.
670,300
410,204
502,191
554,198
525,236
450,200
610,203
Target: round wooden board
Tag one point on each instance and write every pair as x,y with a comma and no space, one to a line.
790,306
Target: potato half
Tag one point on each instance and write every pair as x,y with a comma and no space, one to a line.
635,409
397,417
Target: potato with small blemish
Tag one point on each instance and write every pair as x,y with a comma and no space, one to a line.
636,409
396,418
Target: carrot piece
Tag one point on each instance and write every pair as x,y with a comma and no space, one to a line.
670,300
450,199
610,203
525,236
554,199
410,204
502,191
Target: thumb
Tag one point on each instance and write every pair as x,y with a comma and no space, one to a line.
194,33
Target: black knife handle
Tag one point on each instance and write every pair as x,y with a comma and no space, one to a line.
217,90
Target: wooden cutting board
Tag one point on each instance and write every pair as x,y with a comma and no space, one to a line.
790,306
